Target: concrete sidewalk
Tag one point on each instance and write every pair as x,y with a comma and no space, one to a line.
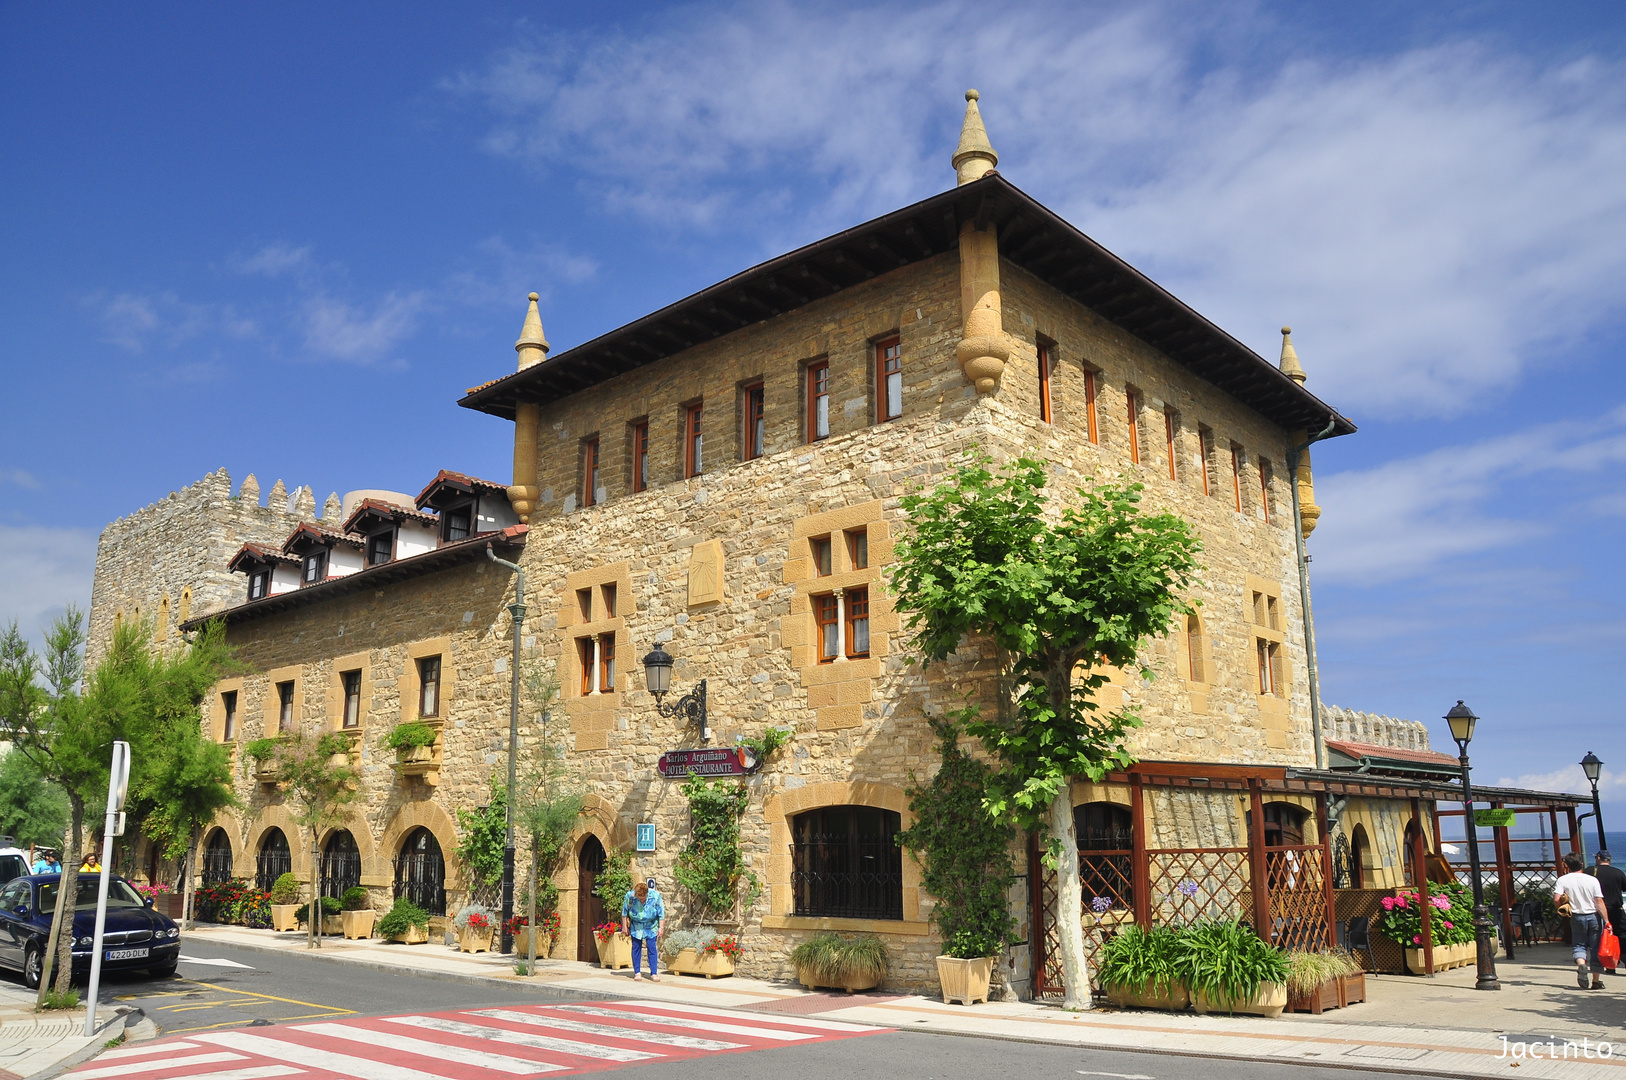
43,1044
1439,1026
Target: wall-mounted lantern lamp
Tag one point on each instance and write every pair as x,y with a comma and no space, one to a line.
658,680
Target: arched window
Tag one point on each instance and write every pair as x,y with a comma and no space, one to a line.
1196,649
341,864
1106,838
1284,824
161,630
1359,845
274,859
847,864
184,611
420,871
216,857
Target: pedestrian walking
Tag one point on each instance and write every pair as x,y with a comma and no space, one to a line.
1612,880
1584,896
642,914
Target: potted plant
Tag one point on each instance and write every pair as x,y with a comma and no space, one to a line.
1230,969
839,963
331,912
414,746
547,933
966,967
701,952
358,914
406,923
1140,968
285,903
475,927
614,947
1450,925
263,753
1316,980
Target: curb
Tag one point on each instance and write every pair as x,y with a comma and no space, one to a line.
85,1053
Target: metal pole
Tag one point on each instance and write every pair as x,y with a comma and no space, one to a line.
1294,456
1482,928
517,610
1597,819
117,779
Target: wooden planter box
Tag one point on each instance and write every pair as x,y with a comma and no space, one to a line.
283,918
358,924
713,965
415,935
1269,1000
851,986
473,941
1175,998
1352,989
614,952
1326,996
965,981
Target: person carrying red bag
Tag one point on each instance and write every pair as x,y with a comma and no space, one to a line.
1613,882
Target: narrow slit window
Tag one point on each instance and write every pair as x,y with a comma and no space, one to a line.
1267,668
821,555
857,601
352,698
1236,475
608,592
1089,407
824,613
1169,429
1132,404
1205,447
584,601
889,374
1194,648
640,456
590,472
755,429
1264,489
1044,382
606,663
584,653
693,464
228,704
858,549
285,706
429,687
818,401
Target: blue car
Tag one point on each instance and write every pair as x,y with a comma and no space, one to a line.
134,936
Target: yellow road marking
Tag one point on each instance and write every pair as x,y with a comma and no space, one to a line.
273,997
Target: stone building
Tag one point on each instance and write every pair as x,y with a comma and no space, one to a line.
722,477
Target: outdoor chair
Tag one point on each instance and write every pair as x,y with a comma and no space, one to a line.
1526,917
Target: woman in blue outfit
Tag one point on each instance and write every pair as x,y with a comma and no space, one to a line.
642,913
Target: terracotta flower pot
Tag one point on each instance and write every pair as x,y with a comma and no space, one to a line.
713,965
1269,1000
1175,997
965,981
283,917
614,952
358,924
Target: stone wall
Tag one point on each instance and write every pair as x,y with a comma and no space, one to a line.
1354,726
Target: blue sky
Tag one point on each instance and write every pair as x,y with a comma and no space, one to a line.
284,240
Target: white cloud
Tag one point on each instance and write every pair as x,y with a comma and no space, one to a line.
502,275
1569,778
20,478
347,332
1408,516
1431,221
44,569
274,260
136,321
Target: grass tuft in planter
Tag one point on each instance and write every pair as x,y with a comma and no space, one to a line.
1142,961
1308,971
832,960
1226,962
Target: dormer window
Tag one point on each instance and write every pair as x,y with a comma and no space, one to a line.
380,547
315,569
458,523
259,585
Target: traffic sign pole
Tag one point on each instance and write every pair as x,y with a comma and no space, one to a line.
118,782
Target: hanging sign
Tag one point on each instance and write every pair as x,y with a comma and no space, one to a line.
730,761
1498,817
646,837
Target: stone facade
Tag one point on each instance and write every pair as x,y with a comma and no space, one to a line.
1374,729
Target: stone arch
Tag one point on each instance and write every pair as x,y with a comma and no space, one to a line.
375,870
599,819
280,817
161,626
778,810
431,816
233,827
183,610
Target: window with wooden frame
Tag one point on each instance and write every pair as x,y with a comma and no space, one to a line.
228,706
584,653
608,592
888,380
1171,426
590,483
1264,489
285,706
1270,656
1091,427
259,584
429,687
820,547
1236,475
1132,405
352,698
640,455
1044,348
818,401
756,429
1205,448
606,663
380,547
457,523
584,601
693,462
857,549
856,602
825,615
315,567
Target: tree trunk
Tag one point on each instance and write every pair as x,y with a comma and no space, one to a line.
59,947
530,907
186,879
314,912
1075,966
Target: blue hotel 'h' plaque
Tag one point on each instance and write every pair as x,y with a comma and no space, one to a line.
646,837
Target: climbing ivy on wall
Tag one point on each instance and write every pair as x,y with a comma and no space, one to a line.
712,865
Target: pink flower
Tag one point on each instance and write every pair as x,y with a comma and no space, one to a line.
1417,939
1388,903
1400,901
1441,902
1447,925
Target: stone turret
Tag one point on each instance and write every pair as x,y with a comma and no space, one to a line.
1309,512
975,156
983,348
533,349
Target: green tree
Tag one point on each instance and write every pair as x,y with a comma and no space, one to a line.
484,837
315,774
188,783
67,729
548,801
1064,595
33,809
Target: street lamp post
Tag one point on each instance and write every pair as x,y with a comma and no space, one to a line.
1462,721
658,680
1594,769
517,611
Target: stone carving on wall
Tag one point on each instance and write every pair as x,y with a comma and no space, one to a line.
706,573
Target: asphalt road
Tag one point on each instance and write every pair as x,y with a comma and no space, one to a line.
273,988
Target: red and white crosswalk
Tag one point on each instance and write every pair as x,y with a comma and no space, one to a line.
472,1044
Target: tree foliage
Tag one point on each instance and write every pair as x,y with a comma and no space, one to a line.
33,809
484,835
316,775
712,865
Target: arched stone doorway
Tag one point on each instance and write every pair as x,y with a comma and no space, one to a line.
274,859
341,863
589,908
420,871
217,861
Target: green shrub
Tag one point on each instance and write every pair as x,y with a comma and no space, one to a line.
261,749
712,865
1306,971
54,1000
401,918
764,745
614,882
1137,959
1226,961
831,960
330,907
356,898
286,889
412,733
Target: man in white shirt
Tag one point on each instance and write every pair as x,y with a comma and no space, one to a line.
1584,896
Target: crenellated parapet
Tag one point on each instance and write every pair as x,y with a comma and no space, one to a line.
1374,729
